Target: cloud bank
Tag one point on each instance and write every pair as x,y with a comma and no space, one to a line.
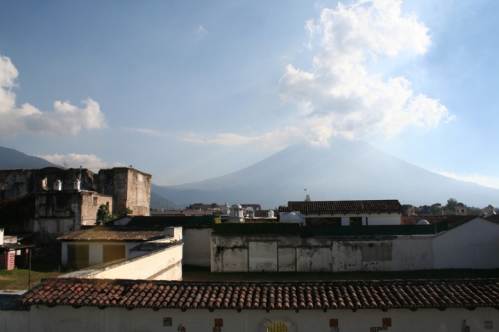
75,160
341,94
64,119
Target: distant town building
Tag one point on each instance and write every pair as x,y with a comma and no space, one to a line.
359,212
12,253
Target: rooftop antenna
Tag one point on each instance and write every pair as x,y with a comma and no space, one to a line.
307,196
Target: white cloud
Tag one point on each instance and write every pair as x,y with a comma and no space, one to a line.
65,118
201,30
341,90
341,94
75,160
147,131
483,180
270,140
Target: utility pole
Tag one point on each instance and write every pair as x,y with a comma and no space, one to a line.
29,268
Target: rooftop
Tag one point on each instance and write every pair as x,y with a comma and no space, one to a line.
287,229
113,233
343,207
274,295
160,222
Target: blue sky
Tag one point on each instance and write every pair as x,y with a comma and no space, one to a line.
189,90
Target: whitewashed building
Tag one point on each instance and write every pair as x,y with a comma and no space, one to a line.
359,212
121,252
294,248
300,306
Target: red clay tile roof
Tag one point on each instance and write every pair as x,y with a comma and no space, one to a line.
112,233
320,295
344,207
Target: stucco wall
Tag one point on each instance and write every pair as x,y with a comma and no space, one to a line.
197,246
66,318
95,250
476,241
321,254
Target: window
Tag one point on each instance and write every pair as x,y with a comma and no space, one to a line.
355,221
78,255
95,201
276,326
113,252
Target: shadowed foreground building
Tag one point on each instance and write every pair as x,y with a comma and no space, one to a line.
133,305
56,201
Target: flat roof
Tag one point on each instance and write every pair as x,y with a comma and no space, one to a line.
113,233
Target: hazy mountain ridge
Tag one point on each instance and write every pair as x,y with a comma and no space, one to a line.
13,159
345,170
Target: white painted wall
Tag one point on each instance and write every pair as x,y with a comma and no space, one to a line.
367,219
67,318
163,264
476,242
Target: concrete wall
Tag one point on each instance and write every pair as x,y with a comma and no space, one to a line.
163,264
197,243
476,241
320,254
66,318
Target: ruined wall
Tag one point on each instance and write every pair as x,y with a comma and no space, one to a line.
138,192
90,203
320,254
18,183
129,187
56,212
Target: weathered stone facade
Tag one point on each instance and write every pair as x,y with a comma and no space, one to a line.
130,188
61,200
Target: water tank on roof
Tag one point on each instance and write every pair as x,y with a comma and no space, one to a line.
423,222
292,217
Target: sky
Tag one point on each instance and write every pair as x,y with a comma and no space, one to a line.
190,90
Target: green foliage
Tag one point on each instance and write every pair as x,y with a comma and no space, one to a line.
103,214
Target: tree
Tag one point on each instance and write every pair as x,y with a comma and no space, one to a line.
436,209
103,214
451,204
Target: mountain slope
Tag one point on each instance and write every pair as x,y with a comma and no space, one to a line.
345,170
13,159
